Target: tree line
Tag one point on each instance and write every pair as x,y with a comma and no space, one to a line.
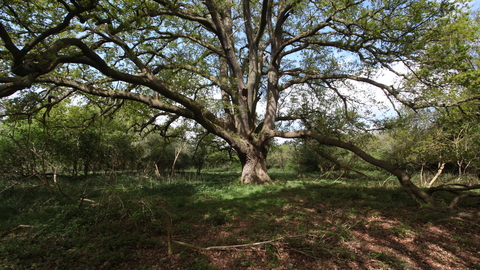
75,138
88,136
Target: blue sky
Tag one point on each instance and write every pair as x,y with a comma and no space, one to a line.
476,4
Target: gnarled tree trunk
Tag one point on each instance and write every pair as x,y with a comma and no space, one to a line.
254,165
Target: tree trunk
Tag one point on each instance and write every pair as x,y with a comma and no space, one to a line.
177,153
86,167
439,172
416,193
254,165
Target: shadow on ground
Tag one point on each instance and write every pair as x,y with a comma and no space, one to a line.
292,224
299,225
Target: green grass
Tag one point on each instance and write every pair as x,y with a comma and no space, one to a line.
126,222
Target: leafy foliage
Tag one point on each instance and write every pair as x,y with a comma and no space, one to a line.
244,71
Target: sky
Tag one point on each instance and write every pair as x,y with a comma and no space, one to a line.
476,4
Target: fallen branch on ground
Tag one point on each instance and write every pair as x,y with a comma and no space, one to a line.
463,196
236,246
93,203
20,227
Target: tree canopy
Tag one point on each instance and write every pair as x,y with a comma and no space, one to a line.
246,71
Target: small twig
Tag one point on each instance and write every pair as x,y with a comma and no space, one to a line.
8,188
22,226
47,201
88,200
84,193
387,180
92,202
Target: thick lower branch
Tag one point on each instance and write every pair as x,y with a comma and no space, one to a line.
454,188
411,189
463,196
333,160
10,86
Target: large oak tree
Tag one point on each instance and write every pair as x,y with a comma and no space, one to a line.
231,65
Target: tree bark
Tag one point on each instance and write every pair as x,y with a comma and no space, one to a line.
439,172
254,165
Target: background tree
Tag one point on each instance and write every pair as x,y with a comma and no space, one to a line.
430,139
70,137
280,155
230,65
210,151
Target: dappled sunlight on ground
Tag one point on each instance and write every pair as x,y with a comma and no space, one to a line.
309,234
289,225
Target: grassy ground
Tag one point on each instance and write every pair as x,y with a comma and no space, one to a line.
307,223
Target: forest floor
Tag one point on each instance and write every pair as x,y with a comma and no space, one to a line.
307,223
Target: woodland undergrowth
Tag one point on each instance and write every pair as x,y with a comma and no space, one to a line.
122,221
